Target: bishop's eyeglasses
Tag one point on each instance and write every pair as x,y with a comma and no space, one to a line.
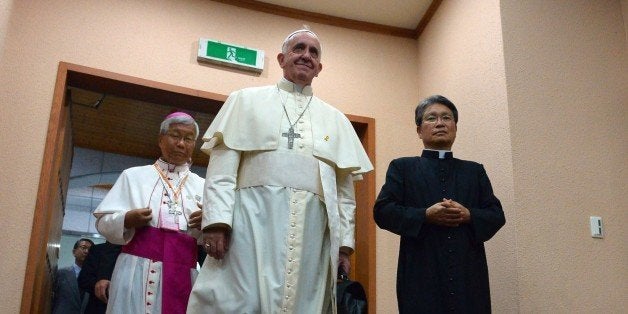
176,137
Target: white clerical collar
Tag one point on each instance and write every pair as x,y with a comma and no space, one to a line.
441,152
291,87
166,166
77,269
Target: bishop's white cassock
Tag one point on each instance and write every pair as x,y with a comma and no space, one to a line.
136,284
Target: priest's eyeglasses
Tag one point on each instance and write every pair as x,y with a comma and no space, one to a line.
188,139
433,119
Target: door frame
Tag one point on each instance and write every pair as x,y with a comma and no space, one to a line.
48,220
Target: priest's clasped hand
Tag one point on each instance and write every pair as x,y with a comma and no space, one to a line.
447,213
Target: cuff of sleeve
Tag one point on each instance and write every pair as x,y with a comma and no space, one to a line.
347,250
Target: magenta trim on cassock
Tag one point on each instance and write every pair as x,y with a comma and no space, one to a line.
177,251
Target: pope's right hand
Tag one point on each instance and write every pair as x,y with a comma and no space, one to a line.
136,218
216,241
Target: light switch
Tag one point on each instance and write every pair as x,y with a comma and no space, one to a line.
596,227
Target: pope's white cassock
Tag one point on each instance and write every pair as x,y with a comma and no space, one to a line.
281,172
137,282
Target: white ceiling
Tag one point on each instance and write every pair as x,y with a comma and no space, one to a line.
398,13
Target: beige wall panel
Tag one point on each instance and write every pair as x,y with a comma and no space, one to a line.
566,67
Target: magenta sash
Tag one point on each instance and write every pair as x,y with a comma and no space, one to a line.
177,251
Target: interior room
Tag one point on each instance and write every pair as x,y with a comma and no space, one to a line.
541,89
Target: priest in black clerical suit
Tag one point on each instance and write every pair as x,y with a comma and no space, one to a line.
444,210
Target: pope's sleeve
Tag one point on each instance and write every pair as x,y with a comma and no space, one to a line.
346,209
220,186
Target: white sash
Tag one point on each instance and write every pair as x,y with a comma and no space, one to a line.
279,169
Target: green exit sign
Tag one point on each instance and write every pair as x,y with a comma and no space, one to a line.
230,55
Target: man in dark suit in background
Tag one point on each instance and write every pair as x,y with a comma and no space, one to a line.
444,210
67,298
95,276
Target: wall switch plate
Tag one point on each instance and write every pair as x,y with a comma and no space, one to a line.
597,230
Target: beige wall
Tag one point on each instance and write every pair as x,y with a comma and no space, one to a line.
624,6
539,86
566,68
5,10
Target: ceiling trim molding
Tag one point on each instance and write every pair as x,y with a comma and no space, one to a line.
427,17
332,20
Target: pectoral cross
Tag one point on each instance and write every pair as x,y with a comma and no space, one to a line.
174,209
291,135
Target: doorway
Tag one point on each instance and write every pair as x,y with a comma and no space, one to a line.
115,113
